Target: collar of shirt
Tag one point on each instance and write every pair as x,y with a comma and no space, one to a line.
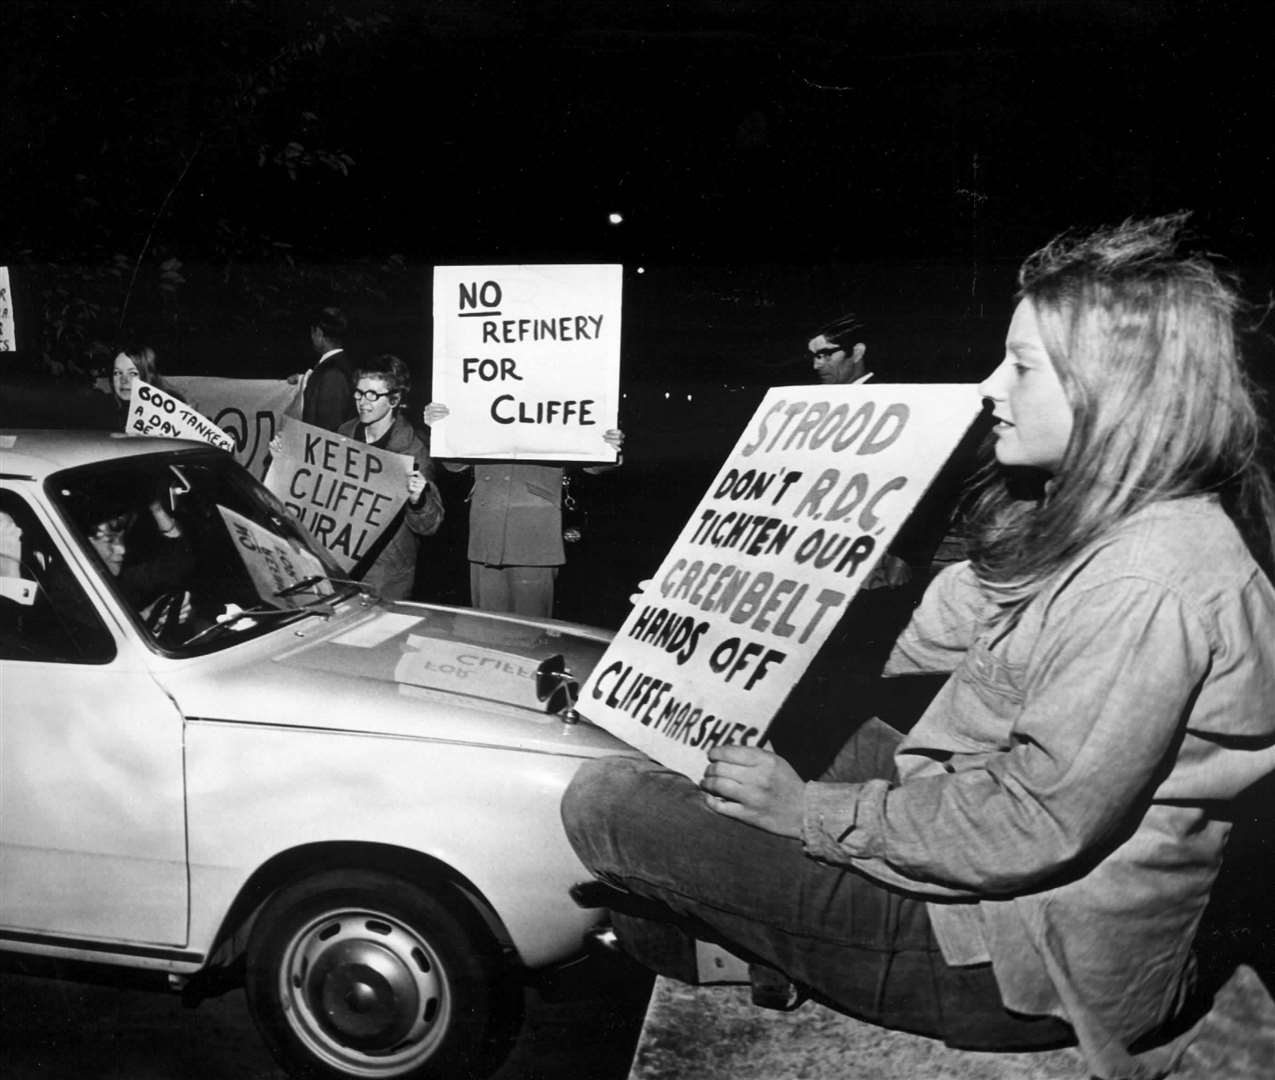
330,352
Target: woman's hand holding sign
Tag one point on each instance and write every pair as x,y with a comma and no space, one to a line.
755,786
434,412
416,485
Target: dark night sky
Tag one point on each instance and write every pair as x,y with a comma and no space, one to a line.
722,131
836,139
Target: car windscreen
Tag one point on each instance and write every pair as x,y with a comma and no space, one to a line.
198,551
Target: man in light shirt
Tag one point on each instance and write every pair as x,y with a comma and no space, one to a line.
836,355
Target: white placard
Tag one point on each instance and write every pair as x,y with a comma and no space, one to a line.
527,358
802,510
157,413
271,561
8,332
469,669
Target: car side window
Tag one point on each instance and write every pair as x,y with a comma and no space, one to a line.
44,613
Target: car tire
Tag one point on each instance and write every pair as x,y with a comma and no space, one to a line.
363,974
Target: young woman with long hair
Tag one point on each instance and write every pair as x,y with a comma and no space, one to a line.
1028,866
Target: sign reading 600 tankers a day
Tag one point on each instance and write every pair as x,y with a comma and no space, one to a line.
527,361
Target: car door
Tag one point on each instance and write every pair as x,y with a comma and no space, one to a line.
92,821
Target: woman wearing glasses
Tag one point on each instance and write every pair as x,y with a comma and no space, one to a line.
380,389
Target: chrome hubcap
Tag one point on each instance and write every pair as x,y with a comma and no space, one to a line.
365,992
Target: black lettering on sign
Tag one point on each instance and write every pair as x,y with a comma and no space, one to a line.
507,409
486,296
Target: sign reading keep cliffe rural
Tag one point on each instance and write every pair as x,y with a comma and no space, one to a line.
817,486
344,491
154,412
527,359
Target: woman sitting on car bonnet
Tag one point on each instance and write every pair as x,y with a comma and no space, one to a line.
1030,863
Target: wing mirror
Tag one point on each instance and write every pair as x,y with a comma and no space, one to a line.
557,688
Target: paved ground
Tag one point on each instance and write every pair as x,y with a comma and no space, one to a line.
716,1033
52,1029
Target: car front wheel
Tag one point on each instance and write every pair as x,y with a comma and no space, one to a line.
362,974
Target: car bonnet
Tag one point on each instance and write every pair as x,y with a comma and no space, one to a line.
482,656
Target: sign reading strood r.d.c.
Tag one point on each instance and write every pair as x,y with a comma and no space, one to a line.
527,361
802,510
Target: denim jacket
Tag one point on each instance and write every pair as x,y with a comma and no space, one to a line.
1062,801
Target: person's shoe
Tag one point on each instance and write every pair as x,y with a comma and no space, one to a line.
773,989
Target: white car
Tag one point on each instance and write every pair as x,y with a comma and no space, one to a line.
214,751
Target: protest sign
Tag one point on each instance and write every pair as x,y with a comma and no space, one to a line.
468,669
344,491
159,414
271,561
250,410
8,336
527,359
802,510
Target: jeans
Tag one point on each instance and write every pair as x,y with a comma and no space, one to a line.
864,949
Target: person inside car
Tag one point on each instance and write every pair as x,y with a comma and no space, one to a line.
155,587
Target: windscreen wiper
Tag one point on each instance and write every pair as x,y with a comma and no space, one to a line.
229,618
320,579
302,585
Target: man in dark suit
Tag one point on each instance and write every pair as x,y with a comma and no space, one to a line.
328,401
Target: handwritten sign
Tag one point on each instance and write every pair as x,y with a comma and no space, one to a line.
344,491
527,358
8,335
251,411
271,561
469,669
804,507
156,413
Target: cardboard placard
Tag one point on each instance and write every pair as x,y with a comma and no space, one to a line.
271,562
469,669
527,358
802,510
159,414
345,492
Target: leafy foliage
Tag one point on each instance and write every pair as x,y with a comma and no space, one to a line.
232,116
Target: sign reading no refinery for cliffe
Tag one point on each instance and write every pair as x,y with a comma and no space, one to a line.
344,491
527,359
154,412
817,486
